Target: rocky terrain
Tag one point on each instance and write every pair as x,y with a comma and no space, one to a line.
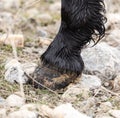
26,30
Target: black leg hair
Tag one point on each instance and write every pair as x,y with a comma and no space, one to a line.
81,21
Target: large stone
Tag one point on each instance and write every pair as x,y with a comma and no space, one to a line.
115,113
55,7
112,5
44,18
15,100
75,92
3,113
67,111
102,60
4,16
12,39
113,21
23,114
8,4
90,81
113,38
14,72
2,102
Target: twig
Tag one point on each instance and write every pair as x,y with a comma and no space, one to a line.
113,93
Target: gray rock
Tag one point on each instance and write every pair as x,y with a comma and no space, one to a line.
90,81
41,32
102,60
14,72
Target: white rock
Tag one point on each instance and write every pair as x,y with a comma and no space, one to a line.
14,72
113,20
67,111
112,6
2,102
117,82
55,7
114,38
45,18
15,100
73,92
105,107
17,39
115,113
31,13
4,16
31,107
23,114
90,81
29,67
7,4
102,60
103,116
3,113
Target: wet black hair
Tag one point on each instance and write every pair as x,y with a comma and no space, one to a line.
81,22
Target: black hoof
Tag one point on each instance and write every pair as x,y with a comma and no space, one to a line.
44,77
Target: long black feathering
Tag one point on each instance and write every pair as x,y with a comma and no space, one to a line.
81,21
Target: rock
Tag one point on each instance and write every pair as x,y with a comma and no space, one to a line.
15,100
114,38
31,13
55,7
30,107
16,39
115,113
103,116
41,32
117,83
14,72
44,41
23,114
75,92
4,16
2,102
44,18
105,107
113,20
67,111
102,60
112,6
45,111
8,4
29,67
3,113
90,81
